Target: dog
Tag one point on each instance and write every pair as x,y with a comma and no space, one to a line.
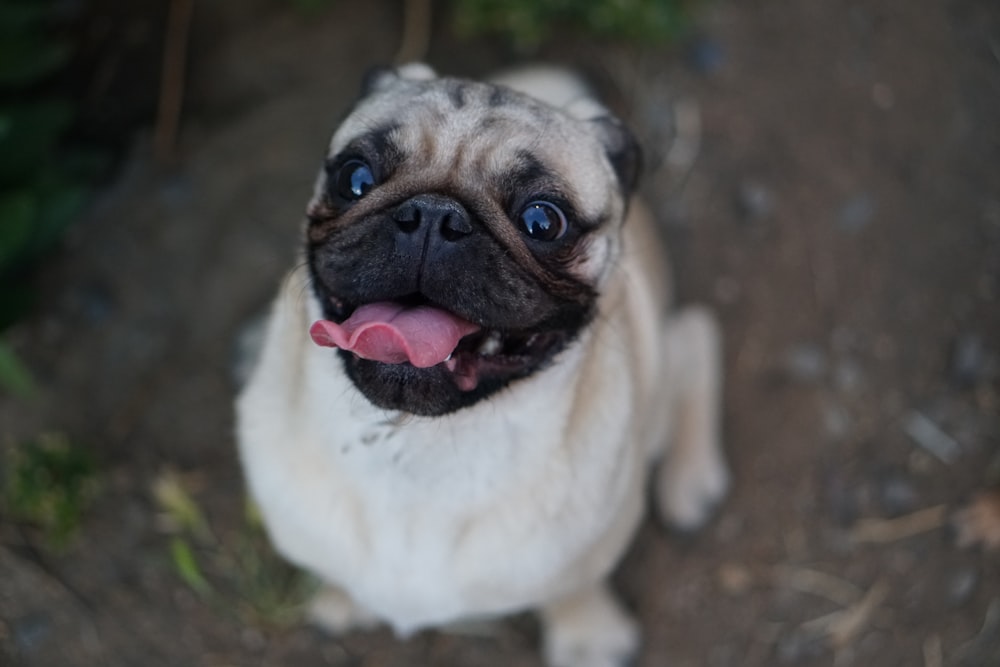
467,380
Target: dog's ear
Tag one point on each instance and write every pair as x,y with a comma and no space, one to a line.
381,78
622,150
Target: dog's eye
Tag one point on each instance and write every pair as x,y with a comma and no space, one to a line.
354,180
543,221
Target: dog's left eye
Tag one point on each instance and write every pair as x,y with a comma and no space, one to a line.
543,221
354,180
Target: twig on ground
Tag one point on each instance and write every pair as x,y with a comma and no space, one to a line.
850,622
883,531
416,37
821,584
172,79
840,628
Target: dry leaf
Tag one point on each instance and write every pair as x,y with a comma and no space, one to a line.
979,521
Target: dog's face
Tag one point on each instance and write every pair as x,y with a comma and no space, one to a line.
459,236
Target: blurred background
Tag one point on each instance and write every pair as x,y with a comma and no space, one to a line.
826,172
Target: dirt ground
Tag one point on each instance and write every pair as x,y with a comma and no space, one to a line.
828,176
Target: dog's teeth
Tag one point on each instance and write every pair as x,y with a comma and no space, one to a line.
448,358
491,345
531,340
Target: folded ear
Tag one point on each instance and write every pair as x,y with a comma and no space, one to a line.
382,77
623,151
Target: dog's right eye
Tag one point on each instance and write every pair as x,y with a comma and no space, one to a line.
354,180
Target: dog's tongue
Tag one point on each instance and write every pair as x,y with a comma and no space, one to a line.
393,334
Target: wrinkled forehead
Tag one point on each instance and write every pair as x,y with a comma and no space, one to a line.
468,131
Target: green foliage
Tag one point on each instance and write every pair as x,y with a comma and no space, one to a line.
238,573
181,511
26,53
187,566
26,58
271,591
529,22
49,483
43,186
14,377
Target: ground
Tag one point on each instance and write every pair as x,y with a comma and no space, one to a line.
828,177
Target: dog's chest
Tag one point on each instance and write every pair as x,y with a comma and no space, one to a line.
433,520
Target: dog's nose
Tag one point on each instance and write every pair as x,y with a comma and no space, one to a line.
436,214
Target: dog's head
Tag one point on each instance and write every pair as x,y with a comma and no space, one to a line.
459,235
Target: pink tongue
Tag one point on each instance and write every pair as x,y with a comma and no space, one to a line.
393,334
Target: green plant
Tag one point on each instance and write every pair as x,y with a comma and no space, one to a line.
15,378
49,484
237,572
271,591
26,52
528,22
43,185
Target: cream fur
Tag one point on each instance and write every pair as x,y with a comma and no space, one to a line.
525,500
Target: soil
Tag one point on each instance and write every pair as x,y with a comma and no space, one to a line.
828,177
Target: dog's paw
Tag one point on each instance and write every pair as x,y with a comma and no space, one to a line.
687,494
594,633
333,611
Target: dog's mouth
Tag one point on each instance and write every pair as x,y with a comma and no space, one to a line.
412,331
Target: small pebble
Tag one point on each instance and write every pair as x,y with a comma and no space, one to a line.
962,586
705,55
896,494
755,201
856,213
836,420
31,631
968,361
930,437
97,303
848,377
91,302
806,362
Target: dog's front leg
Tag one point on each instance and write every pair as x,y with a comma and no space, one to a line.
693,476
588,629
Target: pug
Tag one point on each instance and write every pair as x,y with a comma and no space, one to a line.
468,378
